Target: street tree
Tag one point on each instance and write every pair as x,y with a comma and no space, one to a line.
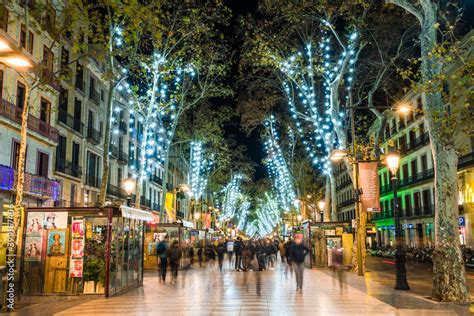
440,49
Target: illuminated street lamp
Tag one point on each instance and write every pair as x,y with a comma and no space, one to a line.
129,187
393,163
197,215
403,108
299,217
321,206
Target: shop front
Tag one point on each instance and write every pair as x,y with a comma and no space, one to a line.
322,239
73,251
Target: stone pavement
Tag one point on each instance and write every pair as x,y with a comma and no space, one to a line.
207,291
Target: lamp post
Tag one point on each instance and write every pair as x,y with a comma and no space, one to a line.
129,186
393,162
321,206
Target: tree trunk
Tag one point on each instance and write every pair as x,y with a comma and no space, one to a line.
106,164
141,167
332,180
327,195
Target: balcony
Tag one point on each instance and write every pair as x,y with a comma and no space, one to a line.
419,141
382,215
50,78
67,167
93,180
122,157
466,160
116,191
93,135
417,178
156,179
94,96
123,127
114,151
346,203
33,185
13,113
70,121
344,184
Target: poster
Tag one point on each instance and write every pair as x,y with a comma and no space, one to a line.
77,227
33,248
169,206
75,268
152,248
369,183
56,242
55,220
34,225
77,248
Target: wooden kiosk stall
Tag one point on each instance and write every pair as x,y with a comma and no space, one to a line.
82,250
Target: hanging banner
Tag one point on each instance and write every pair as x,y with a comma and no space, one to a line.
169,207
207,220
369,183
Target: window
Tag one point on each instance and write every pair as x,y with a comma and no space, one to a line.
79,76
405,171
427,201
23,36
91,86
15,154
424,162
75,158
20,95
42,164
1,84
61,153
92,178
119,177
3,18
73,195
414,167
31,42
48,60
45,111
408,205
102,95
417,203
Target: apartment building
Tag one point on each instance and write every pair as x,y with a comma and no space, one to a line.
32,43
64,160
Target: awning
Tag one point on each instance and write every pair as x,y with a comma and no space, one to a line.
135,213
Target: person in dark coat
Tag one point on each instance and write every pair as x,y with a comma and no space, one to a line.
298,252
220,254
238,248
174,256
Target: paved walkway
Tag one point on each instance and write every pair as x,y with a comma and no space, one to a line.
210,292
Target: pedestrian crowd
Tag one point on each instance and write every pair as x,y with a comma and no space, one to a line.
243,255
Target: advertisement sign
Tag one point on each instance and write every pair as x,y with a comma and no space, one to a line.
188,224
202,234
169,206
54,220
77,247
56,242
369,183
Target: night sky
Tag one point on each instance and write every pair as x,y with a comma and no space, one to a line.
233,130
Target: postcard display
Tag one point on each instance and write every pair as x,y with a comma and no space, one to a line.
82,250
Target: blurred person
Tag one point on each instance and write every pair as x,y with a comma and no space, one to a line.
230,250
191,255
238,245
174,256
220,254
288,255
298,252
200,254
161,251
281,247
338,267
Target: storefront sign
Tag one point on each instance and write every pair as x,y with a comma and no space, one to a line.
369,183
188,224
194,232
330,232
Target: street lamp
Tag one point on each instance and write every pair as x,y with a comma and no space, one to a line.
299,217
129,186
393,162
321,206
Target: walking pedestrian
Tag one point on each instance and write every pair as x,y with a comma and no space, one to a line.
161,251
174,255
230,250
199,253
288,255
220,254
238,245
298,252
281,247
